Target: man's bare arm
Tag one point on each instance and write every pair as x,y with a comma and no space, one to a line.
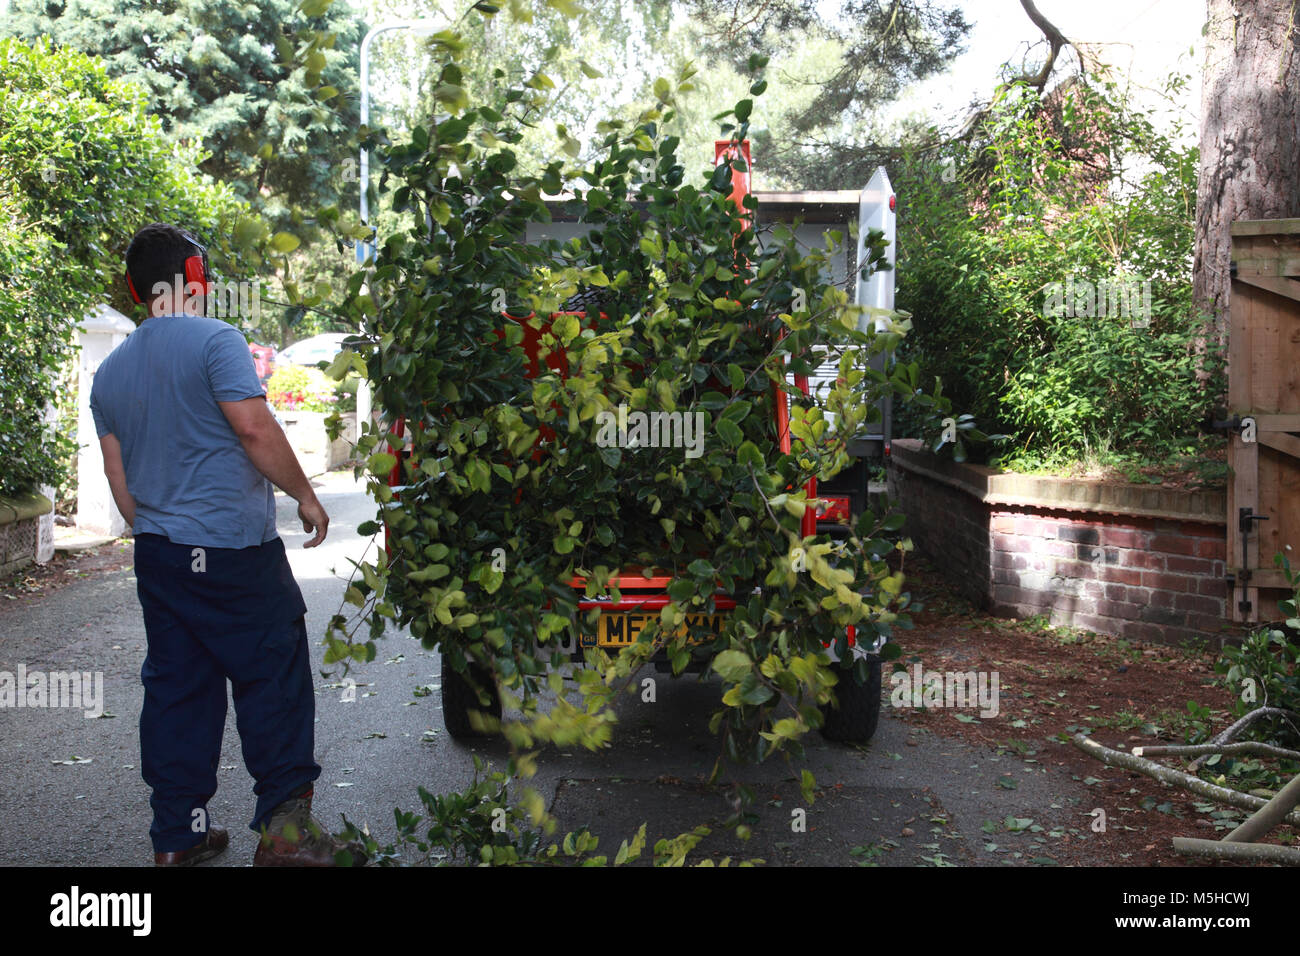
269,451
115,471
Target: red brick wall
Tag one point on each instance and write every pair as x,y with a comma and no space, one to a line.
1140,578
950,530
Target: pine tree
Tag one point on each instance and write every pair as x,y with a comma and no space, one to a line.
213,73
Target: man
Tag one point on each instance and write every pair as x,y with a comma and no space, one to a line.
191,450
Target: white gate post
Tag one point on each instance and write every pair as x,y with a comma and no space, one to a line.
102,330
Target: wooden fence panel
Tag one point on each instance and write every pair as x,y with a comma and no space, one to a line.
1264,391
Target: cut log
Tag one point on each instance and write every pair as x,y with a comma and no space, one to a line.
1268,816
1239,852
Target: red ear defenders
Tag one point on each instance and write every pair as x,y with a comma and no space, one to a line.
196,271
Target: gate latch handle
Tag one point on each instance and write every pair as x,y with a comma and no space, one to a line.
1245,516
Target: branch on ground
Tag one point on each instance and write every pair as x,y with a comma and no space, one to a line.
1209,750
1176,778
1236,728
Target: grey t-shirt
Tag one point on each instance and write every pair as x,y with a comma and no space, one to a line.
185,468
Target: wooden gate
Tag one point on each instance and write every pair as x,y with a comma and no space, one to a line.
1264,402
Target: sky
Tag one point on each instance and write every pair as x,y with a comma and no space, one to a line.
1149,38
1146,39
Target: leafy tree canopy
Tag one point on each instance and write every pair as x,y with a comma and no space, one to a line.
832,70
833,140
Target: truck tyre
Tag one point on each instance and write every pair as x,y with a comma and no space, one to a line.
854,721
459,698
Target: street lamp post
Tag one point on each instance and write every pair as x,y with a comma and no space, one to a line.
419,27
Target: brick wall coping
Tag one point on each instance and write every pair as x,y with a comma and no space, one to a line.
22,507
1060,494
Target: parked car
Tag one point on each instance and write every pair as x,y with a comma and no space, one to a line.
311,351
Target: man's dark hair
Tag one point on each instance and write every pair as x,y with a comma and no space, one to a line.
157,254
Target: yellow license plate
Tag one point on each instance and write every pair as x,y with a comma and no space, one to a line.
620,630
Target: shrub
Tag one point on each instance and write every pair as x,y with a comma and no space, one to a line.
993,264
297,388
1265,671
36,319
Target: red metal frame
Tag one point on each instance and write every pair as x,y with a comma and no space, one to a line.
725,150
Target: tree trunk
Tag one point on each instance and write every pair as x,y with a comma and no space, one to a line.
1250,135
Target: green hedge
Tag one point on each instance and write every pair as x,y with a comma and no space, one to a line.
82,166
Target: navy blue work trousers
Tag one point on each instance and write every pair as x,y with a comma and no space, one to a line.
214,615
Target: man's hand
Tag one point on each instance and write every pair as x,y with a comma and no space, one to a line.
313,517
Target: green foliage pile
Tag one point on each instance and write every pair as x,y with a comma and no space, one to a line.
1262,671
1079,187
82,166
507,491
480,825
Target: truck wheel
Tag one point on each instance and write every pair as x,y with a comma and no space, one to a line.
854,721
459,698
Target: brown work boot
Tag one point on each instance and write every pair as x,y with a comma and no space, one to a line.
293,837
214,843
